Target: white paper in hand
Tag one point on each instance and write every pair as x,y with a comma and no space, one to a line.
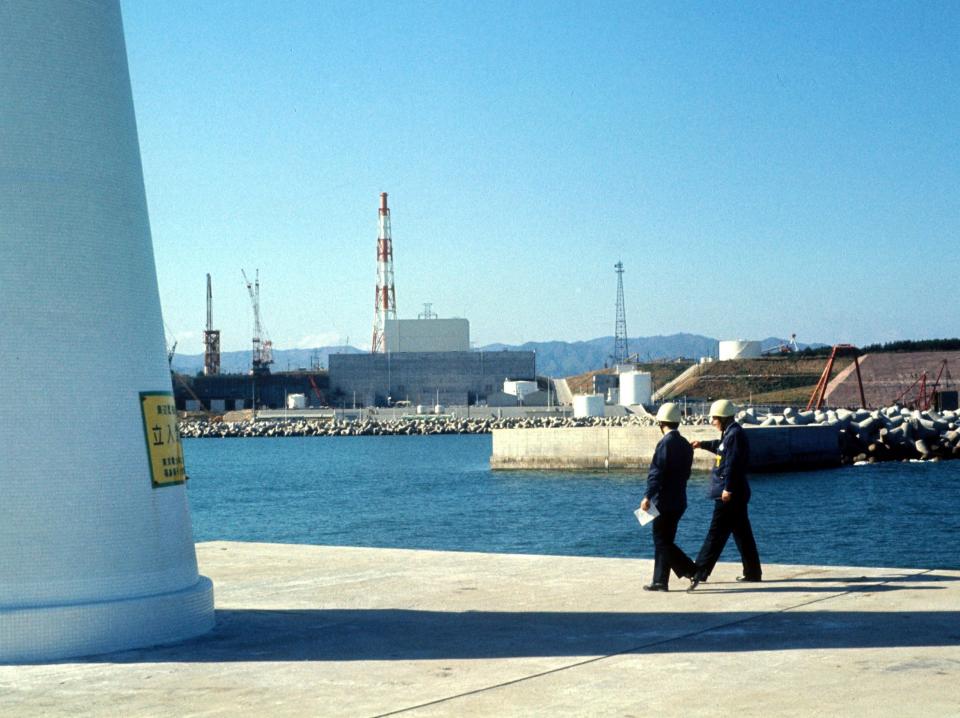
645,517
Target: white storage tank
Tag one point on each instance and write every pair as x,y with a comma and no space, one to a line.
519,388
585,405
296,401
636,387
739,349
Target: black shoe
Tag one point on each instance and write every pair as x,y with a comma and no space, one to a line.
656,587
747,579
694,582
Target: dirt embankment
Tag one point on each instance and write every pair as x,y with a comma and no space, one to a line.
786,380
767,380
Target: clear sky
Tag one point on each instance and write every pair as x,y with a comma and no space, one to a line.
760,168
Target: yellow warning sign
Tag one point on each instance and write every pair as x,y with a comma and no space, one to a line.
163,439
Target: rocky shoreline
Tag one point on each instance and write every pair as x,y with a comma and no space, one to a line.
889,434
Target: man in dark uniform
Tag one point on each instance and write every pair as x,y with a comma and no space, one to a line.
731,491
667,487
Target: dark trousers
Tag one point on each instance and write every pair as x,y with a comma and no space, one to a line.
667,555
729,518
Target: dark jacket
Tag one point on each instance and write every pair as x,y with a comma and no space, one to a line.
669,472
733,457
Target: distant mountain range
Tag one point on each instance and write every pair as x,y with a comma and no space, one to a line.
556,359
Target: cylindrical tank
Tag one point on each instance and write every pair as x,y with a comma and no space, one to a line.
636,387
96,547
739,349
296,401
585,405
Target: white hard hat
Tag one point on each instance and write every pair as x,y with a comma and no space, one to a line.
722,408
670,413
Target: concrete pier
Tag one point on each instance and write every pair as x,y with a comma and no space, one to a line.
314,630
772,448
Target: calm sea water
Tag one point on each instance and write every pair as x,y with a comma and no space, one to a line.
438,492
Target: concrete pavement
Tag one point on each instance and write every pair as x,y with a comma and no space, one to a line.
333,631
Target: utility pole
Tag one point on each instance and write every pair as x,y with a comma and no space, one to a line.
211,339
620,349
385,306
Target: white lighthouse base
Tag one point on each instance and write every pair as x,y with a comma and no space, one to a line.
49,633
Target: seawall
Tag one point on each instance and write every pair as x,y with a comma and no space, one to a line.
780,448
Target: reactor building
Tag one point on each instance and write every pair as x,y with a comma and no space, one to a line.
425,361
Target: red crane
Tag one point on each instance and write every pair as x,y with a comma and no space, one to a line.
820,392
924,400
316,390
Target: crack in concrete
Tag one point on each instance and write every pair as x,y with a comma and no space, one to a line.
634,649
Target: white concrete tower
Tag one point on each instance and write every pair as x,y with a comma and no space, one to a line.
96,547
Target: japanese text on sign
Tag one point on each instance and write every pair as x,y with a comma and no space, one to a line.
163,438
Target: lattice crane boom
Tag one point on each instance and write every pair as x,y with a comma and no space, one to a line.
211,338
262,348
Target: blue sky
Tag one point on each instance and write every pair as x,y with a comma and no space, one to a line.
760,168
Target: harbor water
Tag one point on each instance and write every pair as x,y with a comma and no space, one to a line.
438,492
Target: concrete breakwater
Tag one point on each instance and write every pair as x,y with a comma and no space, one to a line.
777,448
791,440
893,433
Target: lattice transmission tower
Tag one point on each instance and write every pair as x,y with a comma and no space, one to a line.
620,349
386,301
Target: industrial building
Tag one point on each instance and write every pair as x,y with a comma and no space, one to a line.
227,392
457,378
427,334
425,361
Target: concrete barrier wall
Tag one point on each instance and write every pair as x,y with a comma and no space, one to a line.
778,448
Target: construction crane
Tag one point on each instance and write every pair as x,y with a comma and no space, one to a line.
316,390
820,392
262,348
171,341
211,339
784,347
